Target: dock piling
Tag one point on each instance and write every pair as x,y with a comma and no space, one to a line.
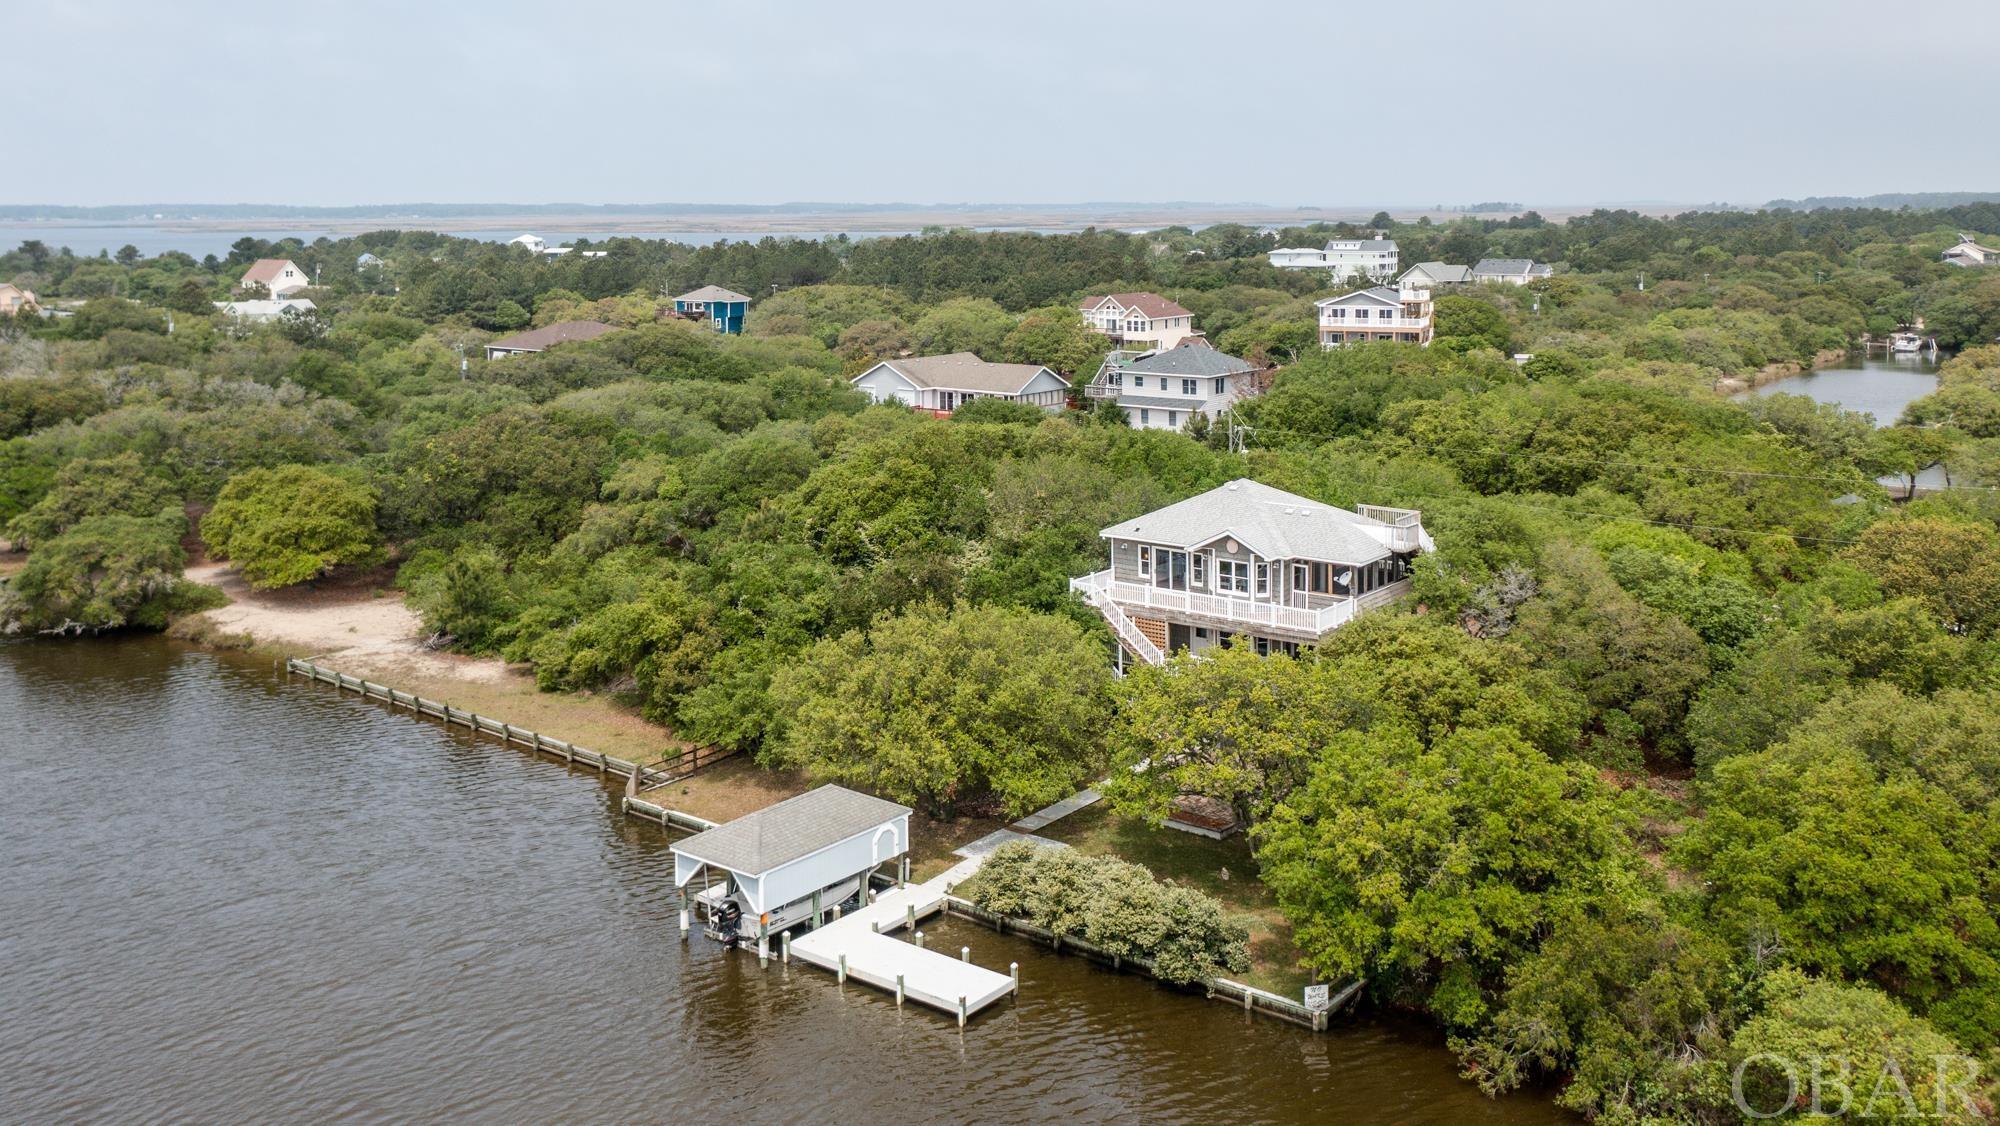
965,953
785,947
920,940
843,970
1014,972
899,991
910,919
961,1012
684,914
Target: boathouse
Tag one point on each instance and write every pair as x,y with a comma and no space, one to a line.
789,862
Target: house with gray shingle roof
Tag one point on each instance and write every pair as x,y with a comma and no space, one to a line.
1249,563
1433,274
942,384
1511,271
1165,390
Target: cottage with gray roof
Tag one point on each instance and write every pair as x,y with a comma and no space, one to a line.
942,384
548,336
1433,274
1511,271
1165,390
1245,561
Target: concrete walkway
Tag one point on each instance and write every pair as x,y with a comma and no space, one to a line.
1048,815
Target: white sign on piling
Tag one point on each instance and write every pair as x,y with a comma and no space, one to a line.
1319,998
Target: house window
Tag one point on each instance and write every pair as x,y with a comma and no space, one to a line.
1360,314
1190,387
1263,580
1115,379
1218,384
1145,417
1232,576
1173,419
1145,560
1336,314
1138,381
1200,568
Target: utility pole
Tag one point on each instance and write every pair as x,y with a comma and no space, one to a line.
463,364
1642,281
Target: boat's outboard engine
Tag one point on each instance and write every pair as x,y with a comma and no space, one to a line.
728,921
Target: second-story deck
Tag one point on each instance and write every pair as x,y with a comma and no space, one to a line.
1237,614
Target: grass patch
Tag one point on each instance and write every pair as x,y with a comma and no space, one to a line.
1223,869
591,721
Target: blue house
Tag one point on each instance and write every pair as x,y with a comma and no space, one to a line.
723,308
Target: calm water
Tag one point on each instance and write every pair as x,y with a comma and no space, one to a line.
223,898
1880,385
87,239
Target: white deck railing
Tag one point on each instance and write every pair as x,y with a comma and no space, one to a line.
1248,611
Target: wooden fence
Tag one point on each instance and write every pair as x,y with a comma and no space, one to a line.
663,773
1251,998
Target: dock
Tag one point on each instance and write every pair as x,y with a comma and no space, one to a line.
858,945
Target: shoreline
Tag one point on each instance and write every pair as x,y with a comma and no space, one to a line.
1772,373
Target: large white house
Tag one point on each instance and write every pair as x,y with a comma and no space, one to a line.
1344,258
1511,271
1139,321
1968,252
280,277
264,310
1402,314
1164,390
1245,561
942,384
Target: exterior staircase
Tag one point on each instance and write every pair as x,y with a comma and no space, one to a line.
1121,624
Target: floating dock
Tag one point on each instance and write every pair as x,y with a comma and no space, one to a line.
858,945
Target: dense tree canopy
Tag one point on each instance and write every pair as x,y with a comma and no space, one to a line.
1681,751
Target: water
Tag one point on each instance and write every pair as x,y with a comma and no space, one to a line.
88,239
1879,385
1882,386
227,898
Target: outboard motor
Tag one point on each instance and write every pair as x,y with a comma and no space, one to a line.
728,921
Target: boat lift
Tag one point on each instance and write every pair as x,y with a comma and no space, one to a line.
810,861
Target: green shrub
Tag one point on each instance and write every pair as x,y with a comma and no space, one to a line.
1115,906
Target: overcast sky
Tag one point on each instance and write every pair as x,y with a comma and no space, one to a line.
1323,103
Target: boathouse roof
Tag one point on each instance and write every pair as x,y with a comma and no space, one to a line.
792,829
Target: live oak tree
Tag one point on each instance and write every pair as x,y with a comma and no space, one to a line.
292,524
105,572
1433,869
936,707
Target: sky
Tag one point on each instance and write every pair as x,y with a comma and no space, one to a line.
1326,103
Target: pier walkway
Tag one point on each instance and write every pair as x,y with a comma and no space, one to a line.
859,945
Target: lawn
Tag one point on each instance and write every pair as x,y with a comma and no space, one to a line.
1223,869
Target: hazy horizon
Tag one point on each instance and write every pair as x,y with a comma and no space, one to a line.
1574,103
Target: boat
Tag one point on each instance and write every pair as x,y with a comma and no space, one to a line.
1906,342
